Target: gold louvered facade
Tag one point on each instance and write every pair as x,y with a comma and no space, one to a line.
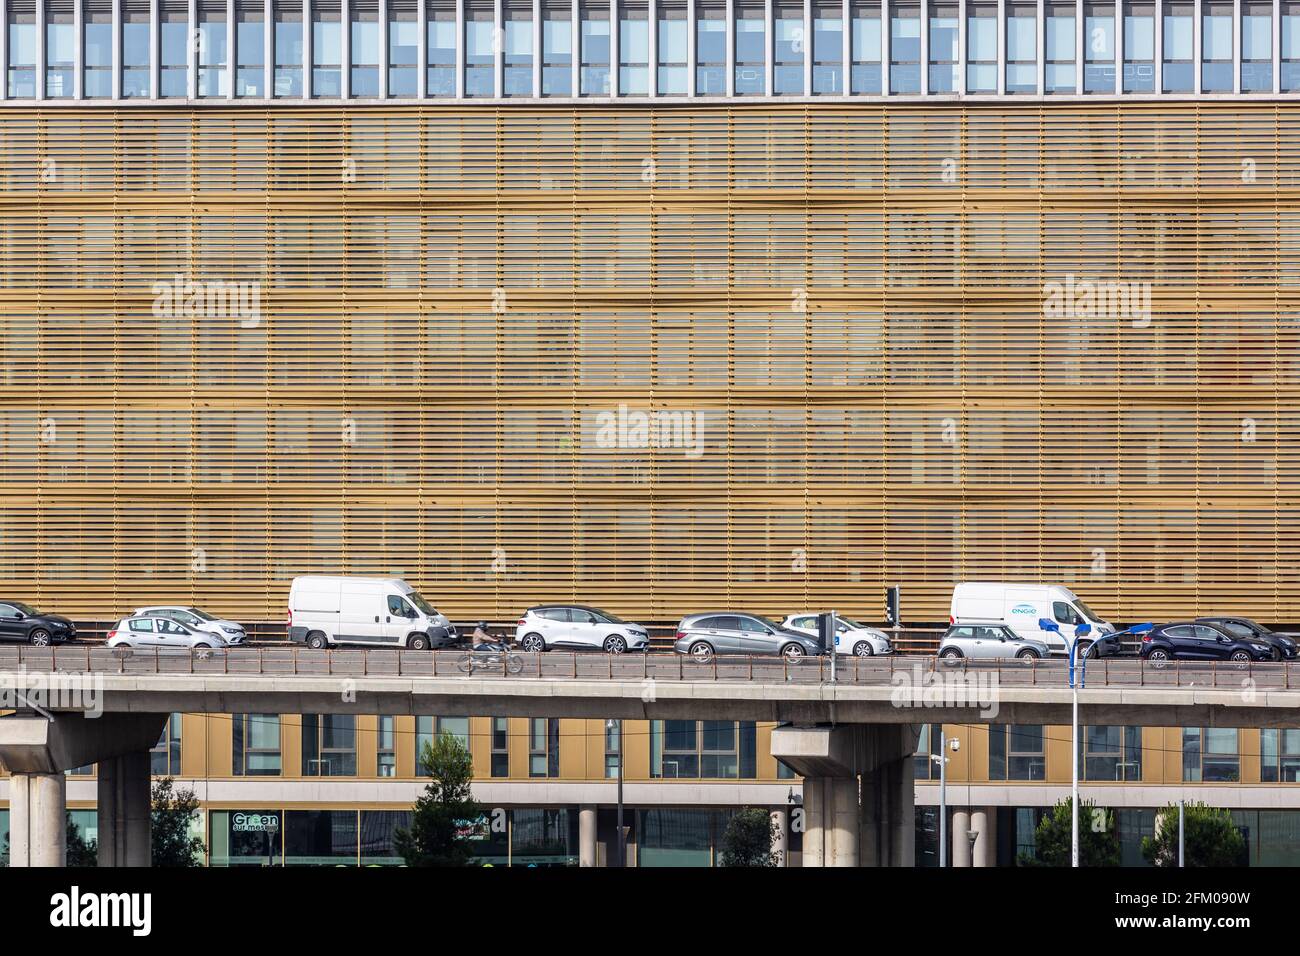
455,300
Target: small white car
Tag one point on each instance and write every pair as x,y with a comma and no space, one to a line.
850,636
162,632
577,626
197,620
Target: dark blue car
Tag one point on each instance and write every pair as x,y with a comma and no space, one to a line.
1199,641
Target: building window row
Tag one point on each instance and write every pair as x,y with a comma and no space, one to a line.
217,49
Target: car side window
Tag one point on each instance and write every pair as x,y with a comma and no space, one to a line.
988,633
962,632
559,614
582,617
1207,633
803,622
399,607
1238,630
145,625
1181,631
751,626
166,626
725,623
1064,613
8,611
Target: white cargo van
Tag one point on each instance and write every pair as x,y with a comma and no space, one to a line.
1020,606
371,611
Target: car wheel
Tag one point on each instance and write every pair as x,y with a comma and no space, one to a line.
533,643
39,637
1159,656
950,656
1027,655
1086,649
862,649
418,642
792,652
614,644
702,651
316,640
1240,657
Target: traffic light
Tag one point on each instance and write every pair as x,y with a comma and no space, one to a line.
891,606
826,631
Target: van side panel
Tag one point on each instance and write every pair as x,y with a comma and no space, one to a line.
362,606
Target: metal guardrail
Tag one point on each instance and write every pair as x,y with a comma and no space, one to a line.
294,660
907,640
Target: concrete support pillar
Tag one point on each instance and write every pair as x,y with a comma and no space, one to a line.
983,821
781,836
858,797
125,837
901,776
961,850
38,827
830,835
586,836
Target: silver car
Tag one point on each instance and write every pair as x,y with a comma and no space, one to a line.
730,632
163,633
984,641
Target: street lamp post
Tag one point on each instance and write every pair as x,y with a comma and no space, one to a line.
1082,630
941,759
617,725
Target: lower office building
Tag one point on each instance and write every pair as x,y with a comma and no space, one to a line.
302,790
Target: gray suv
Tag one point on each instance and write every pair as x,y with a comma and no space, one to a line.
730,632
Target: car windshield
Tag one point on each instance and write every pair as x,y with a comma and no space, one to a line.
1254,628
764,621
848,624
425,607
26,609
201,615
611,618
1087,611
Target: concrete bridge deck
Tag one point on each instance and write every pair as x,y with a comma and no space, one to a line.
891,690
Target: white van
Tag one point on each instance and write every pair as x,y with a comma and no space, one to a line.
371,611
1019,607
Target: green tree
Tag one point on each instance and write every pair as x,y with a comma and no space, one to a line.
173,810
437,835
1098,838
1209,838
81,852
747,841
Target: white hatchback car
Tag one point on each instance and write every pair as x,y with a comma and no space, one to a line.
197,620
576,626
850,636
162,632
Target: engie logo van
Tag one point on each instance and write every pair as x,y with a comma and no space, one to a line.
1024,609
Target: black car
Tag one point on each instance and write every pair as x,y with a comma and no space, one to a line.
1198,641
1243,627
20,622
